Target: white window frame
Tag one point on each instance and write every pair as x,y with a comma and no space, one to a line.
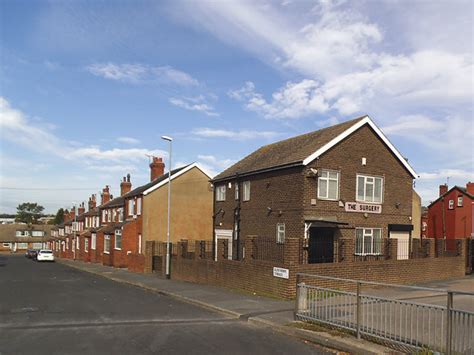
93,241
118,232
328,179
237,197
451,204
86,245
460,201
6,245
220,192
114,215
104,216
140,241
131,207
77,243
368,233
106,244
246,190
366,177
139,206
67,243
280,233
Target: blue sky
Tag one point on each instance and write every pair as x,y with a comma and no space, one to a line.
88,87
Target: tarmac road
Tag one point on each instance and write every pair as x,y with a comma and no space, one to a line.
49,308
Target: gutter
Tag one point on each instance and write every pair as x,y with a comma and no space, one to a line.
254,172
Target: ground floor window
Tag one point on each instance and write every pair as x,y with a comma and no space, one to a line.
93,241
6,245
118,239
86,245
107,244
22,245
368,241
280,233
140,244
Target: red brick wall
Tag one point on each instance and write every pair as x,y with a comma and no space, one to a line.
458,221
257,276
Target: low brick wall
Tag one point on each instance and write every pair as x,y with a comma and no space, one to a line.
136,263
257,275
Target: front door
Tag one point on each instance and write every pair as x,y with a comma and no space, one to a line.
403,244
321,245
224,234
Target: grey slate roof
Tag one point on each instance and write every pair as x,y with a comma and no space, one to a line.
287,152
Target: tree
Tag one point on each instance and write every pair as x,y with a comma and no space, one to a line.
59,218
28,212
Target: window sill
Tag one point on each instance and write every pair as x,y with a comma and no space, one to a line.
106,252
328,199
117,248
371,203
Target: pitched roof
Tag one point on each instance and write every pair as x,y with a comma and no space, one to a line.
303,149
116,202
139,190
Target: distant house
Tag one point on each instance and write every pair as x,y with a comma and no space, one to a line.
345,181
451,215
19,237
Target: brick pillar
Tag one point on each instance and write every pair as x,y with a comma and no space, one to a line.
292,251
197,249
347,250
249,247
149,249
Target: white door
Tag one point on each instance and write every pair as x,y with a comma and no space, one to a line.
403,244
225,234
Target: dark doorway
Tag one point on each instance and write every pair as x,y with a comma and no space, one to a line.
321,245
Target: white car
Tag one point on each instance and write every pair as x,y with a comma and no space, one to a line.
45,255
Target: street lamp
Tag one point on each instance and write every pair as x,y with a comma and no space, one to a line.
168,247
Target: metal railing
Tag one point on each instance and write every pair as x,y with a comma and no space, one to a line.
411,325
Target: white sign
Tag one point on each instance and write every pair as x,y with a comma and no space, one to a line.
281,273
363,207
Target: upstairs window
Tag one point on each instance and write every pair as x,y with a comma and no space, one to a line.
139,206
236,191
130,207
369,189
220,193
109,215
451,204
459,201
280,233
328,185
104,217
246,190
120,214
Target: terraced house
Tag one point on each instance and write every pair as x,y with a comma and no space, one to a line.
345,182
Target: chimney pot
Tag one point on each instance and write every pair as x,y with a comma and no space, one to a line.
157,168
443,189
125,185
470,188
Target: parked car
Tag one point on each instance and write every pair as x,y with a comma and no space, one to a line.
45,255
31,253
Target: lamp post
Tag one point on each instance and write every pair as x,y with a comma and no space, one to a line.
168,247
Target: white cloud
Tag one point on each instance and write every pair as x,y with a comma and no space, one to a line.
128,140
141,73
198,103
19,129
444,174
235,135
214,165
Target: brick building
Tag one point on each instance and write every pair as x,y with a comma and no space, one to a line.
344,181
18,237
451,215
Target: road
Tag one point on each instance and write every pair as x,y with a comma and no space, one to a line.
53,309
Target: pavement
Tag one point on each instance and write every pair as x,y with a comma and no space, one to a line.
50,308
260,311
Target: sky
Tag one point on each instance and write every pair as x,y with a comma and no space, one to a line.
87,88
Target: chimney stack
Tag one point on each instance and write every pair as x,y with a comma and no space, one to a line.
470,188
92,202
105,196
81,209
157,168
443,189
125,185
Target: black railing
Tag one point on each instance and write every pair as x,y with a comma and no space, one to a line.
264,248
